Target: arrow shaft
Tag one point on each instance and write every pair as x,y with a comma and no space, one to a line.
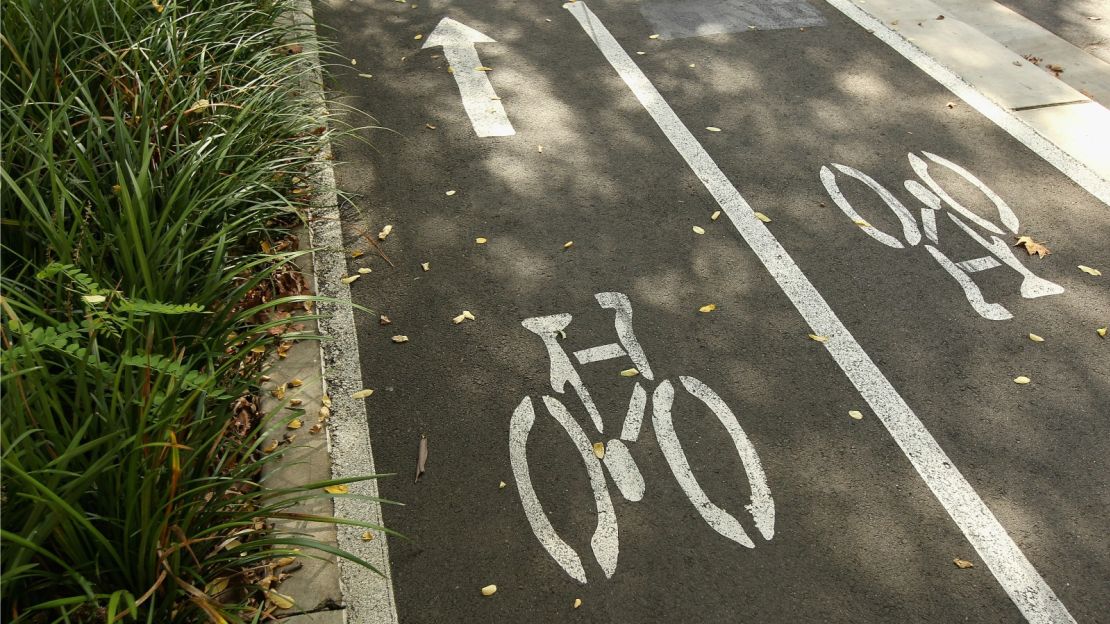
487,115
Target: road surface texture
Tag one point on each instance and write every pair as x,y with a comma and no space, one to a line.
866,515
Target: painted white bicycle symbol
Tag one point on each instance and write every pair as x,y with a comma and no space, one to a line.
1000,252
616,457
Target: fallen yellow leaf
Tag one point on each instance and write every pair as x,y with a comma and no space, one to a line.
351,278
365,270
856,415
713,128
362,394
295,402
629,372
1035,338
278,392
94,299
449,193
418,37
1089,271
296,382
1021,379
716,215
427,266
698,229
577,602
599,450
705,309
818,338
861,223
1032,246
1101,331
489,590
501,485
367,536
653,36
356,253
337,489
480,240
399,339
963,564
280,600
326,400
323,413
568,244
385,232
762,217
271,447
483,68
295,424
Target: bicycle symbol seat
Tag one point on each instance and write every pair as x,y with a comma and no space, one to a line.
617,458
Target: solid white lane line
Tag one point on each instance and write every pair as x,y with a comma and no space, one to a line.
1017,576
1080,172
478,97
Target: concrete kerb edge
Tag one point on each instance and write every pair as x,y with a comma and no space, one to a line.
1005,119
367,596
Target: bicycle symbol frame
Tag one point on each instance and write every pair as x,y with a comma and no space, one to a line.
617,459
1032,286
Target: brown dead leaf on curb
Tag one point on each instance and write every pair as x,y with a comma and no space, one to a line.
337,489
362,394
421,457
1032,247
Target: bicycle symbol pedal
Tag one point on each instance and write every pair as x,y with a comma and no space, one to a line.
617,459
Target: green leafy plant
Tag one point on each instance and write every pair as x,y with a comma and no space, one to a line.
150,149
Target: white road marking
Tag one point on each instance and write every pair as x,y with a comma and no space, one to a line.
619,303
989,311
909,225
609,351
1033,597
1081,173
482,105
623,468
634,419
562,371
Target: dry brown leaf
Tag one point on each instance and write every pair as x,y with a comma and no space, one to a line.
316,428
1089,271
1032,247
599,450
400,338
629,372
1035,338
1021,379
296,382
362,394
296,423
762,217
489,590
963,564
385,232
384,320
705,309
818,338
296,402
337,489
421,456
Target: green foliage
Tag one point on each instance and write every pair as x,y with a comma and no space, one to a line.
133,213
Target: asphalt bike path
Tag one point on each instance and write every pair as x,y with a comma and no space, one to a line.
746,489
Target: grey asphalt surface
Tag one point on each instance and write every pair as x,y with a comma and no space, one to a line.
858,535
1072,21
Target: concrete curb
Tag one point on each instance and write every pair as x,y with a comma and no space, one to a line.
331,590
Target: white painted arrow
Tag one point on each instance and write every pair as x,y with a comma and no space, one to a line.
478,97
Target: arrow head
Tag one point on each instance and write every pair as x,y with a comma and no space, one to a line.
452,34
